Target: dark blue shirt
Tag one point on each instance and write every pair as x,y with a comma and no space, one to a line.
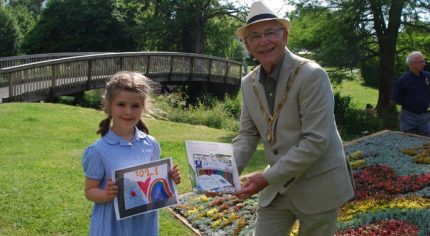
413,92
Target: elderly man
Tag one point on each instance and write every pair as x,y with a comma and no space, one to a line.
288,104
412,92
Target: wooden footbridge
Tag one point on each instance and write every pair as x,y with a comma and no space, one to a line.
48,76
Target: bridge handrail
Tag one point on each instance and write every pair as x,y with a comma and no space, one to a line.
24,59
91,71
110,55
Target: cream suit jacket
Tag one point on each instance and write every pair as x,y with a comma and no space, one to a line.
307,161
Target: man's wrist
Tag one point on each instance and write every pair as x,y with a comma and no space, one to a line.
261,180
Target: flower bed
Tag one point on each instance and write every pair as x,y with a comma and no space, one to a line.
392,175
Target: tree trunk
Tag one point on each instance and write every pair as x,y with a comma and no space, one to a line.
386,72
387,41
199,22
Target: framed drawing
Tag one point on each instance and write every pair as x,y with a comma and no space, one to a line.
144,188
212,167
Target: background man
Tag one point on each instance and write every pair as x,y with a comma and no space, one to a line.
288,104
412,92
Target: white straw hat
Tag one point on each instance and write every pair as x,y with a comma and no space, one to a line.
260,12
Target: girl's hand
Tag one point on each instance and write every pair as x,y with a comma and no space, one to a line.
175,175
94,193
111,190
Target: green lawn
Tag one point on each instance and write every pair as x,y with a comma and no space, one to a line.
360,94
41,147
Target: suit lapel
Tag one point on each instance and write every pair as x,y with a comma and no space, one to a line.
288,64
261,91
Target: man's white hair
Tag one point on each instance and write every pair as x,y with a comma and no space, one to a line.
412,55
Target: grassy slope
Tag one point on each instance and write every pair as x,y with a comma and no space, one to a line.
41,147
360,95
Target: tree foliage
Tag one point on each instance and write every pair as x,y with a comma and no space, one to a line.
8,34
24,20
33,6
187,26
331,44
90,25
196,26
365,34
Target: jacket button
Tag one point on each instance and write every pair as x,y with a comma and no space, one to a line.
275,151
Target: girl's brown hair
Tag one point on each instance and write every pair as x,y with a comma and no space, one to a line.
125,81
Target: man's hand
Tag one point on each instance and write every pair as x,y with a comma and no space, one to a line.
253,185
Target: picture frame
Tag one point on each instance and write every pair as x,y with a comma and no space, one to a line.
212,167
144,188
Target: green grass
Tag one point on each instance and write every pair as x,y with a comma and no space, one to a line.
360,94
41,147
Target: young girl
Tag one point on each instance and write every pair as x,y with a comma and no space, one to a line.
123,144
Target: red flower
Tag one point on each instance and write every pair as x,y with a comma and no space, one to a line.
381,181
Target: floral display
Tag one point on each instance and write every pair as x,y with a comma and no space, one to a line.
392,193
225,215
383,228
421,154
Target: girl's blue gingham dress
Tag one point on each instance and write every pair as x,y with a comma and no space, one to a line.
100,159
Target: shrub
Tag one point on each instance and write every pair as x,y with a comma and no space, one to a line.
353,122
91,99
233,106
370,72
208,111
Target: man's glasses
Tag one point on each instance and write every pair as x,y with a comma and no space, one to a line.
419,62
268,34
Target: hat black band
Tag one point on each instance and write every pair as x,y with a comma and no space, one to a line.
260,17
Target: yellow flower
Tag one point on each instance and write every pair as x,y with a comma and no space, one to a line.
356,155
211,212
350,209
192,211
216,223
409,151
203,198
356,164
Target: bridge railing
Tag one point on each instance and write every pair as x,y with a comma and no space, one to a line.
25,59
41,80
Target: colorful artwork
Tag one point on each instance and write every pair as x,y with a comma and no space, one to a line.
144,188
134,196
212,167
159,191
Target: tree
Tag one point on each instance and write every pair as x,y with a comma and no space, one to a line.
205,10
24,20
184,25
220,39
34,6
70,26
372,27
8,34
315,33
